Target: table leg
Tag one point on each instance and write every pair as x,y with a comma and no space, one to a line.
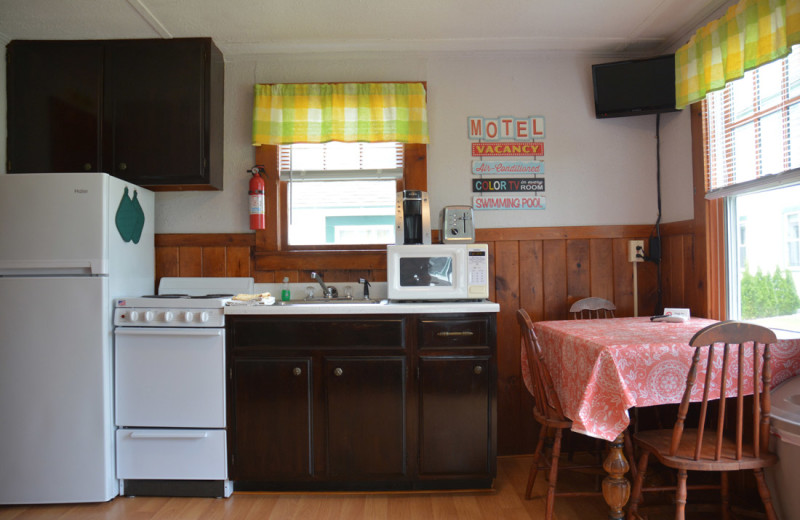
616,488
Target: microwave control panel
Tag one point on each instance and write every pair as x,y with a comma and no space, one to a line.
477,270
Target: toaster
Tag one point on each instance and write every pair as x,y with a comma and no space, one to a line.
457,225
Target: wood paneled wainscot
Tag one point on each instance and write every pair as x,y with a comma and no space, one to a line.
539,269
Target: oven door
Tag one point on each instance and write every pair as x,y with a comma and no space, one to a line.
170,377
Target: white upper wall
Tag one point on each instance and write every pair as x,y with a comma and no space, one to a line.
597,172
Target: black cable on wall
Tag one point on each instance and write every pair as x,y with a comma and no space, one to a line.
655,256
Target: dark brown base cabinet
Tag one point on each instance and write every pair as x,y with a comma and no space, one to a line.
147,111
363,402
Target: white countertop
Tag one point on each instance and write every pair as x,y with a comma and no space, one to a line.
384,307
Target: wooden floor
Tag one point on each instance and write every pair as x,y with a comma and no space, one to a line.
505,501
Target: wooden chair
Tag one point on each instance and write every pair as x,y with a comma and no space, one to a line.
698,449
592,308
548,412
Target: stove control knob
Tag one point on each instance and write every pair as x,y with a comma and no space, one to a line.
133,316
168,316
188,316
203,317
148,316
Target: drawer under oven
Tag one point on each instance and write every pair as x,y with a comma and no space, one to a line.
171,454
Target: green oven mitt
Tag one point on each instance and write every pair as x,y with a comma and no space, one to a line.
130,218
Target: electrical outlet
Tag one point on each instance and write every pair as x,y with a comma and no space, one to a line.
635,247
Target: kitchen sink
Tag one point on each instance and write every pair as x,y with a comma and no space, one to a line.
331,301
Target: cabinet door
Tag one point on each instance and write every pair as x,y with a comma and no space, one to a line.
365,417
54,102
272,426
456,416
155,112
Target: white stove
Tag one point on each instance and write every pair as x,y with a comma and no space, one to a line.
181,302
171,311
171,437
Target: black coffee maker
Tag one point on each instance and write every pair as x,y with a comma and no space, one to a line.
412,218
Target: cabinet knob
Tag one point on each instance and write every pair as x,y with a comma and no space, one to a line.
87,167
478,369
123,166
337,371
297,371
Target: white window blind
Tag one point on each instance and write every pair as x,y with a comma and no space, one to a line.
341,193
341,161
749,125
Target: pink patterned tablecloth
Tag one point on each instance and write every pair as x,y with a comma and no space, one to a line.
601,368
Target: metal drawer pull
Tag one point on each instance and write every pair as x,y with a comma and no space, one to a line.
297,371
169,435
338,371
478,369
457,333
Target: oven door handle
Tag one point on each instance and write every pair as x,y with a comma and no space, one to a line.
172,331
170,435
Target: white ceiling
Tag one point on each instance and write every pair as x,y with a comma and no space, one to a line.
242,27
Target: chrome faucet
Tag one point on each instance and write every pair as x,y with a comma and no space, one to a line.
327,292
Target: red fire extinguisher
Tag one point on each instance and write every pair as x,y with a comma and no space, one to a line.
256,192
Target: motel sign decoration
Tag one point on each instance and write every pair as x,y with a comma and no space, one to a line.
506,128
518,138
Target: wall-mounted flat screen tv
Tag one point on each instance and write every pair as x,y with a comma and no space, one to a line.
634,87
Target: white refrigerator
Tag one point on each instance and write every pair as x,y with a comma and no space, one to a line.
70,243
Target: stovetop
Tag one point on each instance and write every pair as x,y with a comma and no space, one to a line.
177,301
181,302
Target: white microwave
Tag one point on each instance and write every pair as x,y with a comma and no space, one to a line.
437,272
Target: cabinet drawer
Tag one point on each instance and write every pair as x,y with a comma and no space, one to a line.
455,332
336,332
171,454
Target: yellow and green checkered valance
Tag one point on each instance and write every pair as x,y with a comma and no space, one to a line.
752,33
346,112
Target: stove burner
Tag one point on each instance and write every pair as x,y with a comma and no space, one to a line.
213,296
164,296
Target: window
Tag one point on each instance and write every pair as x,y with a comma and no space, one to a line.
341,193
763,280
752,158
291,114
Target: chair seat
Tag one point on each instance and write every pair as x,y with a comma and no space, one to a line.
658,442
552,422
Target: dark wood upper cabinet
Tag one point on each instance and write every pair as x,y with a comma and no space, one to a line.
55,96
146,111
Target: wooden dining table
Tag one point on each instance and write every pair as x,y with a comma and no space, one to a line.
602,368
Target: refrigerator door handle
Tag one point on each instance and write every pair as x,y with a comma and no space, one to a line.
52,268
